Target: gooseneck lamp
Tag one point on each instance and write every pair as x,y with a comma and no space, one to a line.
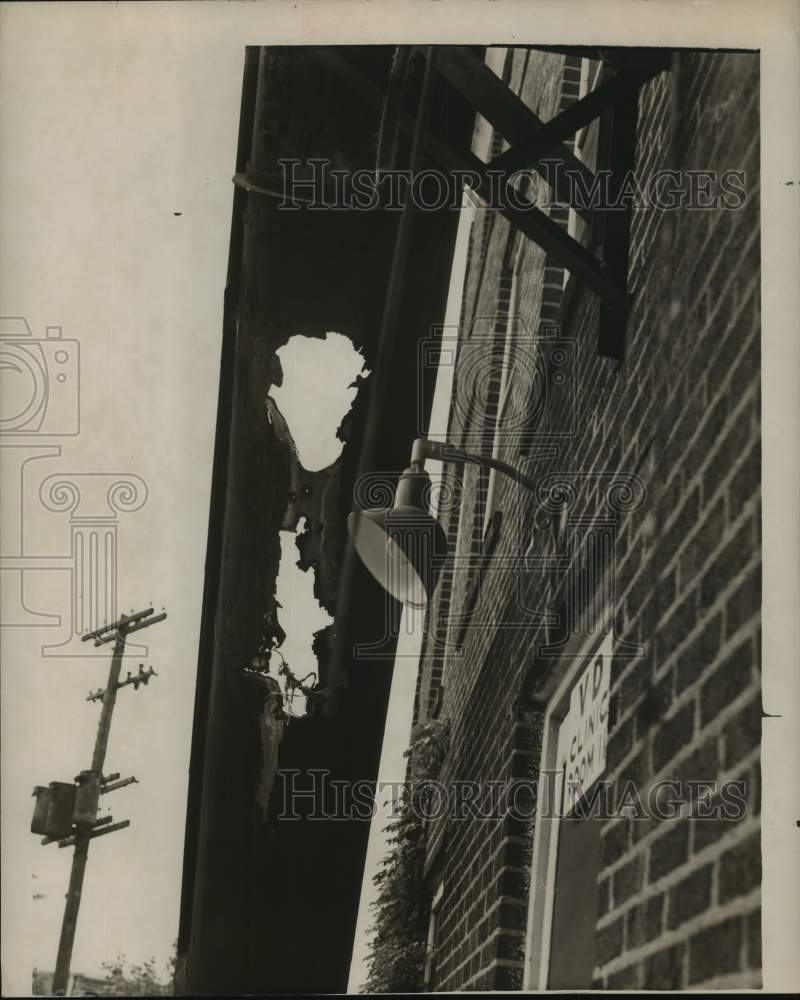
403,546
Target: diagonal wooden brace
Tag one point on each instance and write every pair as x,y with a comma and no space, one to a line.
534,223
515,121
578,115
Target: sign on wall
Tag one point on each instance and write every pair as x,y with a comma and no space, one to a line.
583,733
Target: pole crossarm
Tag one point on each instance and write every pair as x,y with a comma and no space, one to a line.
136,679
114,785
103,821
94,833
145,624
123,627
124,622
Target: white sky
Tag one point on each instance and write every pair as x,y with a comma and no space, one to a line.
112,133
140,131
314,407
102,253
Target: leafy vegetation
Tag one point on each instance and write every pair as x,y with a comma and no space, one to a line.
402,909
128,979
122,978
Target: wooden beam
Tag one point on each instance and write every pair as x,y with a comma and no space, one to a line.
617,224
612,54
528,219
578,115
551,237
581,51
385,352
509,114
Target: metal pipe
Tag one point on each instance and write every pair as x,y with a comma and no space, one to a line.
444,452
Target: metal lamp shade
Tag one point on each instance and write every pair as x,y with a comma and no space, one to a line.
401,546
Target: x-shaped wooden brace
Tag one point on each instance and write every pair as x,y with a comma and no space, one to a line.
535,145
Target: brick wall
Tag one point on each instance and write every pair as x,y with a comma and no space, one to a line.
683,899
679,898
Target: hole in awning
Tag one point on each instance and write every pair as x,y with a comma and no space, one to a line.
300,616
319,383
317,391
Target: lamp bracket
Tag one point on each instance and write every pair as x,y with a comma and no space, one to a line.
442,451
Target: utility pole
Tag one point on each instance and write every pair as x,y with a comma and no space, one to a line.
92,784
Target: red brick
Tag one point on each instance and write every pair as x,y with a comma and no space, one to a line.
683,411
715,950
726,682
726,566
609,941
669,850
702,544
746,481
700,653
627,880
740,869
742,733
615,842
664,969
623,979
603,897
709,829
644,922
744,604
754,940
620,742
673,736
727,455
689,897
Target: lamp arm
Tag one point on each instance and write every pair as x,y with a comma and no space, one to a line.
444,452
